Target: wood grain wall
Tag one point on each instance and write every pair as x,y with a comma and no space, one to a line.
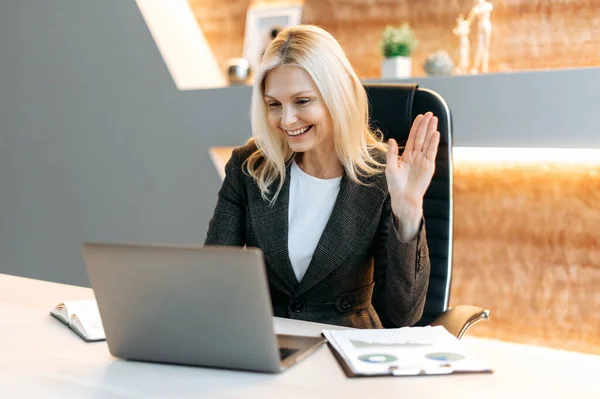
528,34
527,245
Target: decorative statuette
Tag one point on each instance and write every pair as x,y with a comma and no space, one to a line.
482,11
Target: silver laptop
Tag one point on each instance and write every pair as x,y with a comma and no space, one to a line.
201,306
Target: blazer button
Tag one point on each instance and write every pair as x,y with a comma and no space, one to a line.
296,306
346,303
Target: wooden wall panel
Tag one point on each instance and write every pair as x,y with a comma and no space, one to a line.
528,34
527,245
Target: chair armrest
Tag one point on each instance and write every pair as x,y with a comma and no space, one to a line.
459,318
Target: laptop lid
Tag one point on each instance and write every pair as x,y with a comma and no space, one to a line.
206,306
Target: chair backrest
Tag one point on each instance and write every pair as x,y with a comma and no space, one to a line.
393,109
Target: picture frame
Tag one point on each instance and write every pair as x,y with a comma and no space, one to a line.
261,19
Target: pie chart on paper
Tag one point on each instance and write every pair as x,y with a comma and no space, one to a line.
378,358
445,356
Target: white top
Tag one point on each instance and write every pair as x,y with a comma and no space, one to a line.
311,202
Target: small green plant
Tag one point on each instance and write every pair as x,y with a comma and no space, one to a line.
398,41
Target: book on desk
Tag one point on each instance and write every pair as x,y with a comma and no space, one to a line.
407,351
83,317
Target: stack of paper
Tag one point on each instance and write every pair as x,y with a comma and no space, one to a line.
404,351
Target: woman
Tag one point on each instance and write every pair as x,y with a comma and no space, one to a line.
336,213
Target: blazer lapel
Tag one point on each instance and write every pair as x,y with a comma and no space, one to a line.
355,209
271,229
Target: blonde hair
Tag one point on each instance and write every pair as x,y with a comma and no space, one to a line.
320,55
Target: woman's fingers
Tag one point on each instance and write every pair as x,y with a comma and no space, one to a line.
432,146
432,127
392,154
422,131
410,143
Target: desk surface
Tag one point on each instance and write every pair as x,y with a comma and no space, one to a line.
40,357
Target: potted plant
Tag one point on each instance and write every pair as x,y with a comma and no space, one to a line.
397,45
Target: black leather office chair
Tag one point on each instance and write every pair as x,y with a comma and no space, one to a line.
393,110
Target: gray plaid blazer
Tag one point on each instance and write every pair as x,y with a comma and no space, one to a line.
361,275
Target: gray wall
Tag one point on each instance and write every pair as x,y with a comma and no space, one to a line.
96,143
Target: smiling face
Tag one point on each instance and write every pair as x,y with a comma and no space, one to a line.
295,109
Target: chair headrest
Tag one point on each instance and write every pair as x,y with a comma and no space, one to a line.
391,108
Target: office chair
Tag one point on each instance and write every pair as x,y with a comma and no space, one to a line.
393,110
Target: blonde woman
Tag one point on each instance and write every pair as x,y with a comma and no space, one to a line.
336,212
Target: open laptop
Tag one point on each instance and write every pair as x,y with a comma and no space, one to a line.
201,306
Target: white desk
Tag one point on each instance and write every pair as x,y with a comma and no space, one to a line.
40,357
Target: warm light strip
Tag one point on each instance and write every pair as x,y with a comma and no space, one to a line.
527,155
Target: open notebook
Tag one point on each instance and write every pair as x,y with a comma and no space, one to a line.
402,352
82,317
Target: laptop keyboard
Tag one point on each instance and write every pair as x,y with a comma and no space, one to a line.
285,352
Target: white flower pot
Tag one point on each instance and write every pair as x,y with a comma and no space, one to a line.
396,68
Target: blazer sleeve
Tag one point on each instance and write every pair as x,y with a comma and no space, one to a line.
401,273
227,225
